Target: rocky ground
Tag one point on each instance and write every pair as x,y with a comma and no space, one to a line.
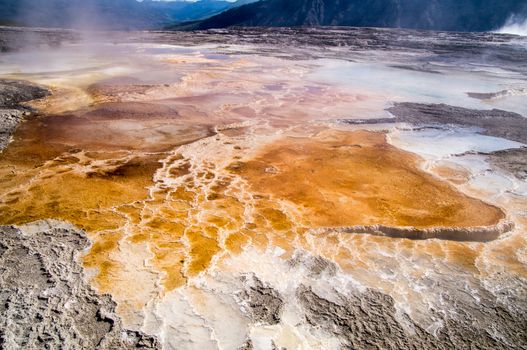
12,112
260,302
368,319
360,319
14,39
45,300
512,160
495,122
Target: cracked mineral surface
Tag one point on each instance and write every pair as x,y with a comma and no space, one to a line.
263,189
46,301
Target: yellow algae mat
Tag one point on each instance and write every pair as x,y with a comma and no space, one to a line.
217,194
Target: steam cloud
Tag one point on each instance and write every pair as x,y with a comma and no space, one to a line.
87,14
515,25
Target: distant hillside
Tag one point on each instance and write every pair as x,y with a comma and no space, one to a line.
108,14
179,11
453,15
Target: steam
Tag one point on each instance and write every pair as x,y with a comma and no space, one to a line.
515,25
59,13
86,14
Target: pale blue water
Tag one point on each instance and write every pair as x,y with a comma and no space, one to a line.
401,85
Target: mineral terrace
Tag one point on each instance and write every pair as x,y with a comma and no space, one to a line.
263,189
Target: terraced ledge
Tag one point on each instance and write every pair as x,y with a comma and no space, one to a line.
461,234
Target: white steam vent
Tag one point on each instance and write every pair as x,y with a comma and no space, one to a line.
515,25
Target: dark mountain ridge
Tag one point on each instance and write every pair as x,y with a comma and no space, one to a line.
108,14
450,15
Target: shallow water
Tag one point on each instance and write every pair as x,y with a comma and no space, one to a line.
440,85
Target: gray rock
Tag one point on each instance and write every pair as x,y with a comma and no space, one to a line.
364,321
12,113
248,345
366,121
368,320
9,121
45,301
261,303
13,92
461,234
495,122
513,161
318,266
18,38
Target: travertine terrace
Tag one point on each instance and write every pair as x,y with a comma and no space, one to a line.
234,191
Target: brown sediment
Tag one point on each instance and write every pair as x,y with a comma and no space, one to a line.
92,168
55,179
95,168
379,182
62,100
356,178
86,201
99,258
335,179
117,127
113,89
452,172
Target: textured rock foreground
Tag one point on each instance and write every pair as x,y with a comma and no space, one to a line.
45,301
369,321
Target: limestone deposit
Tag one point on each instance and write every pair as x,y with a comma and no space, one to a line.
263,189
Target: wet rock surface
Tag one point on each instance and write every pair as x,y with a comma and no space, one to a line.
260,302
12,94
45,301
495,122
9,120
351,43
369,320
16,38
497,95
513,161
316,265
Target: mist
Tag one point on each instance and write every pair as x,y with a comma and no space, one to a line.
515,25
87,15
